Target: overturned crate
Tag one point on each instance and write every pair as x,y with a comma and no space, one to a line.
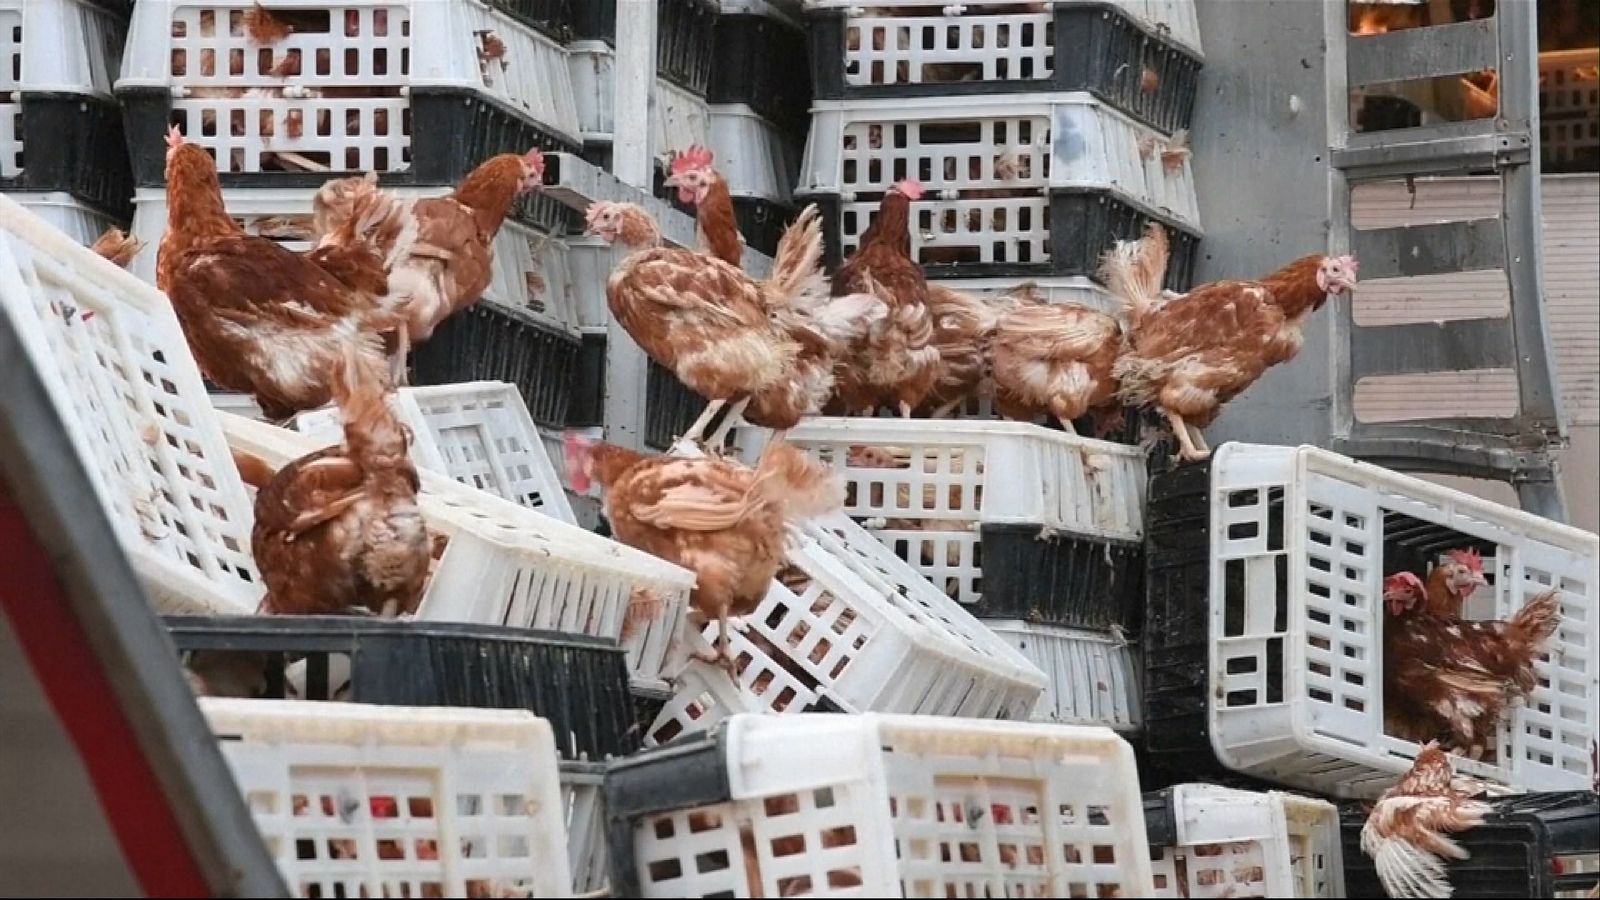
1209,841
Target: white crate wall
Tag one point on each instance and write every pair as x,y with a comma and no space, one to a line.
933,503
1092,678
865,632
1235,843
751,154
116,362
590,262
63,212
585,824
508,565
858,148
1569,95
678,118
399,801
891,42
367,48
891,806
479,433
1326,734
701,696
521,254
79,45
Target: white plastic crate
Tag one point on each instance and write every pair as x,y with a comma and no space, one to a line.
1234,843
702,696
849,626
932,502
478,433
508,565
1093,679
1326,733
988,169
1070,289
1569,103
119,370
752,155
678,118
585,824
1008,46
882,806
590,262
393,801
64,213
357,67
530,269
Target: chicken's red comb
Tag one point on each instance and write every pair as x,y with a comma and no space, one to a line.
1404,581
534,158
1351,263
1469,557
696,157
174,137
911,187
574,444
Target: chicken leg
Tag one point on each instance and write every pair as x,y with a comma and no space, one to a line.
944,411
721,655
720,433
1067,426
706,415
397,364
1187,451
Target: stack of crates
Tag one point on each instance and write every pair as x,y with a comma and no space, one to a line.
330,89
62,152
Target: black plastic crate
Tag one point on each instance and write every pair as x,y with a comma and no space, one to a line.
578,683
685,38
74,143
452,132
1084,224
757,62
588,409
685,773
1099,48
1529,846
670,407
1075,582
762,222
490,342
599,155
556,18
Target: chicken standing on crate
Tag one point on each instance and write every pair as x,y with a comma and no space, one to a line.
720,331
724,521
896,363
339,530
260,318
1449,679
1407,832
1056,360
439,251
822,331
1187,354
963,333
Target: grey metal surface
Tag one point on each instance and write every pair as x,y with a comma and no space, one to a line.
1273,142
45,477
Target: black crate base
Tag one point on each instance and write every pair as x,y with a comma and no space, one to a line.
1109,54
578,683
684,36
670,407
490,342
452,132
74,144
757,63
1065,580
1084,225
1525,848
762,222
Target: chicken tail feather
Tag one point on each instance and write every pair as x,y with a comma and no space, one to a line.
1538,620
1133,270
797,278
847,318
255,471
1405,869
797,484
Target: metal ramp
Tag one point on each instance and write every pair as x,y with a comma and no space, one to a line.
1516,448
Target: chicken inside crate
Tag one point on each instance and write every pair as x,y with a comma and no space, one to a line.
298,89
879,805
1010,519
1280,642
1013,187
356,800
1209,841
1141,55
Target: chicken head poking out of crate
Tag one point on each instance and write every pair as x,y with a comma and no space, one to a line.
724,521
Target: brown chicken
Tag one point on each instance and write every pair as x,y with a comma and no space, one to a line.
724,521
1056,360
1451,679
339,530
706,320
823,328
439,251
896,364
1452,581
1407,832
963,333
260,319
1188,354
117,246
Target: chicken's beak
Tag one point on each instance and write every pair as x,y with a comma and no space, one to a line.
672,181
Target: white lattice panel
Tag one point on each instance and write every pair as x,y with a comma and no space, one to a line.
1296,657
1235,843
1569,103
1093,679
678,118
